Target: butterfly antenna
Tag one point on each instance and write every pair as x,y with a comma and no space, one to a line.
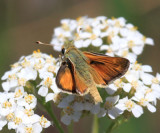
39,42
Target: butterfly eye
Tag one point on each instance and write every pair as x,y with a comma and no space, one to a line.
63,50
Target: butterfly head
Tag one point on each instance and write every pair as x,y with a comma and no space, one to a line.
67,45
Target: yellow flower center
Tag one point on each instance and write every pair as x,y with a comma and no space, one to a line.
43,121
155,80
48,82
69,110
111,34
7,104
124,53
18,93
17,120
148,91
117,24
134,28
65,27
131,44
37,54
143,101
108,105
25,63
118,83
134,84
12,77
93,37
80,20
15,65
144,39
38,65
88,28
22,82
50,60
28,130
10,116
137,66
29,98
129,104
110,50
61,36
51,69
29,112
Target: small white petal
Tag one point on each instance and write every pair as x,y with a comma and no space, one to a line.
43,91
95,109
149,41
66,119
6,86
137,50
137,111
127,87
2,124
104,47
78,43
151,108
49,97
97,42
147,68
78,106
146,78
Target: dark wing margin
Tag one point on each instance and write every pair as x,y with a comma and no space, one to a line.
106,68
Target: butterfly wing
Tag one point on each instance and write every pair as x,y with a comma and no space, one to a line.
69,80
106,68
65,77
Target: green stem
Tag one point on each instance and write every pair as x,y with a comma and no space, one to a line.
70,128
95,124
48,108
115,124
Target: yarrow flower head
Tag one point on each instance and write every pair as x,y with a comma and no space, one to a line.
17,115
112,36
34,76
38,66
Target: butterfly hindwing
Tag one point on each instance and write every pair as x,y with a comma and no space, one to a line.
106,68
81,87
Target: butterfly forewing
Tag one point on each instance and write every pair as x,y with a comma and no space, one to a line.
65,78
106,67
69,80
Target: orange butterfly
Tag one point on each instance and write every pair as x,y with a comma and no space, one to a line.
82,72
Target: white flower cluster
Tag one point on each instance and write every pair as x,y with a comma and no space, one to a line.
30,68
16,106
133,92
114,36
17,110
136,90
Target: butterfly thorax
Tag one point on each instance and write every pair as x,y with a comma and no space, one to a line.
80,65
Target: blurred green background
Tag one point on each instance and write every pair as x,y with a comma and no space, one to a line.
22,22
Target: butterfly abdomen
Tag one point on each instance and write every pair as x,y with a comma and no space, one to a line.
95,94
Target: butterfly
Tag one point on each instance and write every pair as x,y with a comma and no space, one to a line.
82,72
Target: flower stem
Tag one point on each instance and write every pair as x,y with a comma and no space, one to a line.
70,128
115,124
48,108
95,124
